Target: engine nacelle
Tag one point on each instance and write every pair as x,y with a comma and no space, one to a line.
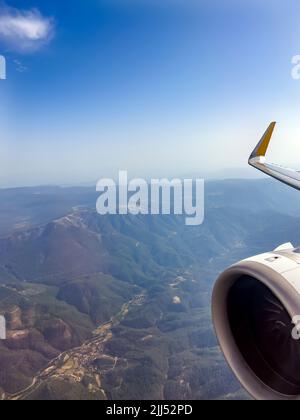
256,314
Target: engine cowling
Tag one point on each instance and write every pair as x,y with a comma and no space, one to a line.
256,314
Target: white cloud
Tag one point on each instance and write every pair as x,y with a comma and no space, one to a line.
24,30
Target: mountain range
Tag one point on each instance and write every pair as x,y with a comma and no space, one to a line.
118,307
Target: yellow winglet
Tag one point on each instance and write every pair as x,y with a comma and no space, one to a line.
262,147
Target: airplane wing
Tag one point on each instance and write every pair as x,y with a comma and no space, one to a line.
258,161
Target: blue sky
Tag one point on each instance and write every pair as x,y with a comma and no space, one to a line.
157,87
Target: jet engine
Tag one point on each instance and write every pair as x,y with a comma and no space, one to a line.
256,307
256,314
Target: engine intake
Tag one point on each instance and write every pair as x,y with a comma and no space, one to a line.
254,305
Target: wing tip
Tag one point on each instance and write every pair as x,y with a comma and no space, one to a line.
262,147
